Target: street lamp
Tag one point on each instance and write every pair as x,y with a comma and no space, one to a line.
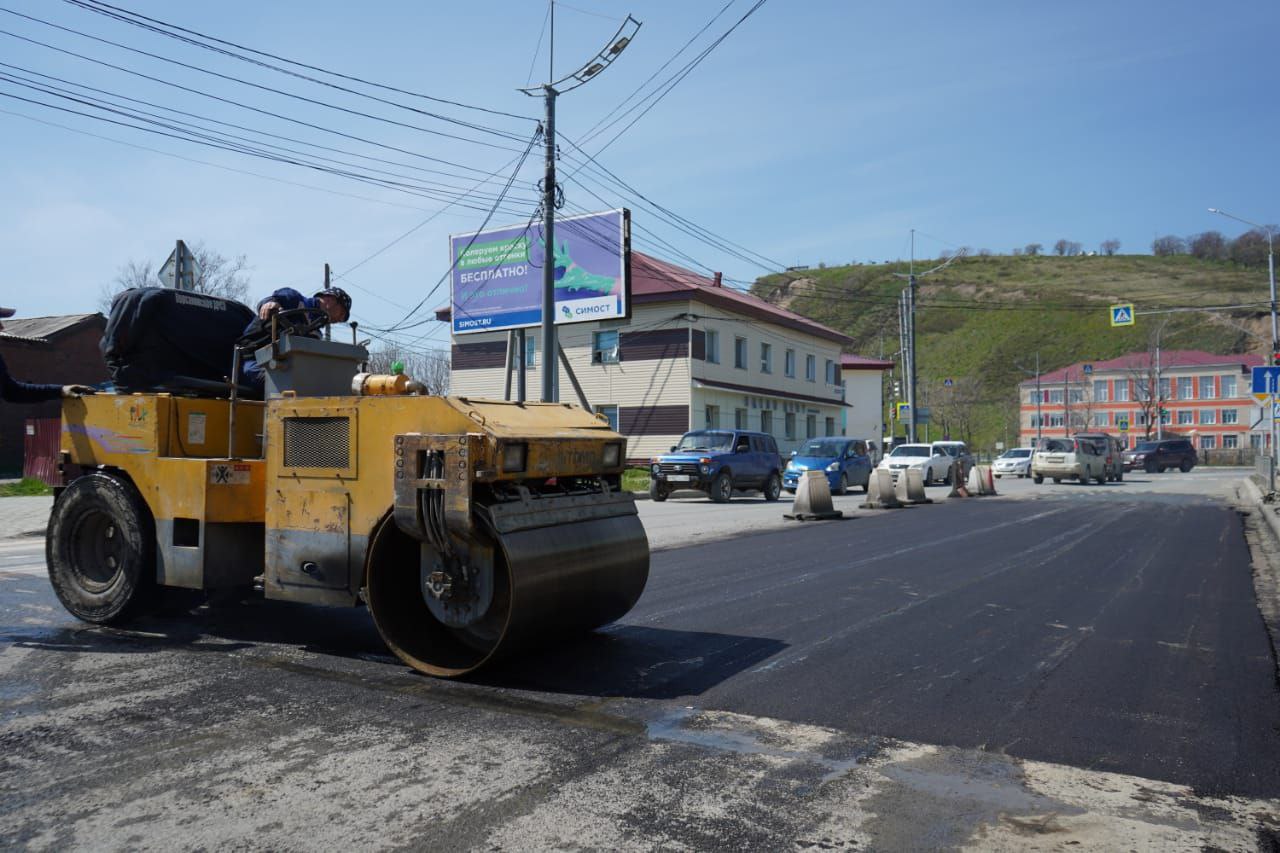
1271,272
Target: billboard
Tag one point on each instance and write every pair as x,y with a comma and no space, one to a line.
497,274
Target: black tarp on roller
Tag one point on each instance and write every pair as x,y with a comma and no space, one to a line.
159,339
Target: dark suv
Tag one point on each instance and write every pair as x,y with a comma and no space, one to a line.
1155,456
717,461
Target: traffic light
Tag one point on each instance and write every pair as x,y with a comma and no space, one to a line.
897,386
1275,358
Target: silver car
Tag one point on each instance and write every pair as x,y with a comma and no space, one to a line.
1016,462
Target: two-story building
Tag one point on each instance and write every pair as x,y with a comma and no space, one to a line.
693,354
1197,395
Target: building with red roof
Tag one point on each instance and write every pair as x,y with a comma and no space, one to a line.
1188,393
694,353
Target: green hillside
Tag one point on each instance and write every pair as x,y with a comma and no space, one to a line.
981,321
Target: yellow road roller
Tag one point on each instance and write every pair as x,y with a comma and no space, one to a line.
470,528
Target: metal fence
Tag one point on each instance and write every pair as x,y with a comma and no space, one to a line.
41,446
1263,465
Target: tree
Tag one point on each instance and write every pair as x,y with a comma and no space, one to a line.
1060,247
1167,245
1208,246
1110,247
1017,252
430,367
1033,248
1250,249
957,409
218,276
1073,248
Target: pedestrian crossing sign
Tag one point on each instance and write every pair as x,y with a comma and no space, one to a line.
1122,315
1123,424
904,411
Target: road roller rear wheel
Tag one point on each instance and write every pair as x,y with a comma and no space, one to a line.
101,549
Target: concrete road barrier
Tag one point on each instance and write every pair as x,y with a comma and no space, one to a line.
910,487
813,499
981,483
880,491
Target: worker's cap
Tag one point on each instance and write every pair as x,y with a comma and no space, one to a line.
6,312
339,294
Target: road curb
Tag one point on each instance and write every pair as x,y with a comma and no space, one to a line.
1266,581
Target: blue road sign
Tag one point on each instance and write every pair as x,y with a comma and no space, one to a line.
948,383
1088,370
1122,315
1266,381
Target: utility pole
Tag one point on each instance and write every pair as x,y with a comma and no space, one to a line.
909,326
1039,400
549,91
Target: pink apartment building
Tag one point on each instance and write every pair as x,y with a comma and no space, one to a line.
1197,395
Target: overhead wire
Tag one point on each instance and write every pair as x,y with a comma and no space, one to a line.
136,20
232,102
383,86
259,86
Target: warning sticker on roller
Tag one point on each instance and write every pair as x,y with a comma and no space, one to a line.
229,475
195,428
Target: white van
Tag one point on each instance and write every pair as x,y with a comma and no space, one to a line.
1081,459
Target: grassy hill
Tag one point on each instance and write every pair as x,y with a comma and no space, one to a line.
981,321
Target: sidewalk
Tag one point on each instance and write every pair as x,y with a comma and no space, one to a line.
24,516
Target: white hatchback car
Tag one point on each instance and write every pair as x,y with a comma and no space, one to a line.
1016,462
933,464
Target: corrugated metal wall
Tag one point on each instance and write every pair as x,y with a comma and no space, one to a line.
41,446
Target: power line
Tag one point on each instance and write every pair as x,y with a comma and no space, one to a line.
243,82
129,18
232,102
674,81
318,69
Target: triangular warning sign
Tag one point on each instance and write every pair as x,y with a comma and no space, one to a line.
1122,315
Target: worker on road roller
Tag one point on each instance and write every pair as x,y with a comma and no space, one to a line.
469,528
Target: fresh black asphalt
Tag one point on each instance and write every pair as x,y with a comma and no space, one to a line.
1094,628
1116,635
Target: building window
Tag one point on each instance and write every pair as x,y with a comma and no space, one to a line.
1230,416
1208,416
1207,389
1100,390
1035,421
789,425
1185,389
1256,441
530,352
1100,419
1230,442
1034,397
810,426
1078,420
739,418
1077,395
610,411
831,374
713,417
1228,386
1055,420
1186,416
604,347
766,422
766,358
1208,442
713,346
1140,419
740,353
1055,396
831,426
1166,389
790,363
1122,390
1166,417
811,368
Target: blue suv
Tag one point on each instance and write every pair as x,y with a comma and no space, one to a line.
844,460
717,461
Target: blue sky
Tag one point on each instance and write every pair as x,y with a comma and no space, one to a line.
816,132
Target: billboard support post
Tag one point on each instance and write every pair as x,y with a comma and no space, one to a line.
550,346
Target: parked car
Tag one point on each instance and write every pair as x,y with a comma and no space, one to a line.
933,463
959,451
1082,459
844,460
718,461
1156,456
1114,453
1016,462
